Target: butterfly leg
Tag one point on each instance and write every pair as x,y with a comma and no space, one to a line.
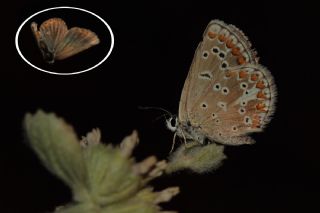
173,142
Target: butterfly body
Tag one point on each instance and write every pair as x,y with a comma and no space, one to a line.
47,54
57,42
227,94
186,130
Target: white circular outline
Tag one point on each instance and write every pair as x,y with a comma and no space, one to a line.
63,7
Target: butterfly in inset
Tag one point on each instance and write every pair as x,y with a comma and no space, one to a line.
227,93
56,42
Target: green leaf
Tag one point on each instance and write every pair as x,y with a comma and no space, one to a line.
110,174
58,148
197,158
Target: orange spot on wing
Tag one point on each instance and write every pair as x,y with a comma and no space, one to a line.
260,106
256,121
255,124
261,95
212,34
241,60
254,77
229,43
230,74
235,51
260,85
243,74
256,117
222,38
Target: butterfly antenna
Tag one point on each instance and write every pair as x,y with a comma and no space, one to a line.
157,108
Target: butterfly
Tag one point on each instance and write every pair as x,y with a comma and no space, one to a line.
227,93
56,42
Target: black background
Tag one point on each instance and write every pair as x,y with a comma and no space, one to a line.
154,46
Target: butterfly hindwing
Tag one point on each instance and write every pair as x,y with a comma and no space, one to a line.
246,107
76,40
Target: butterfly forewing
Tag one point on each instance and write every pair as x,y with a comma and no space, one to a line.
183,104
52,32
75,41
226,94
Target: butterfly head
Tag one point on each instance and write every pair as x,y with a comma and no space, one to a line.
172,123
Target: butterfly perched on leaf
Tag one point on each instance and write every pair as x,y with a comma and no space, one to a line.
57,42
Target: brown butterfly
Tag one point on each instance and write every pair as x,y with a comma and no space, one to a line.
227,94
56,42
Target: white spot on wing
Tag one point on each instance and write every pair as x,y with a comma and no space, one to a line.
206,75
243,85
222,105
215,50
225,90
225,32
247,120
242,110
215,28
205,54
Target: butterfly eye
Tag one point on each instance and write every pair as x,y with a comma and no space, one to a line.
172,123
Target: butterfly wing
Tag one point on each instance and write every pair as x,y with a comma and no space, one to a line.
49,35
75,41
211,94
243,105
232,42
